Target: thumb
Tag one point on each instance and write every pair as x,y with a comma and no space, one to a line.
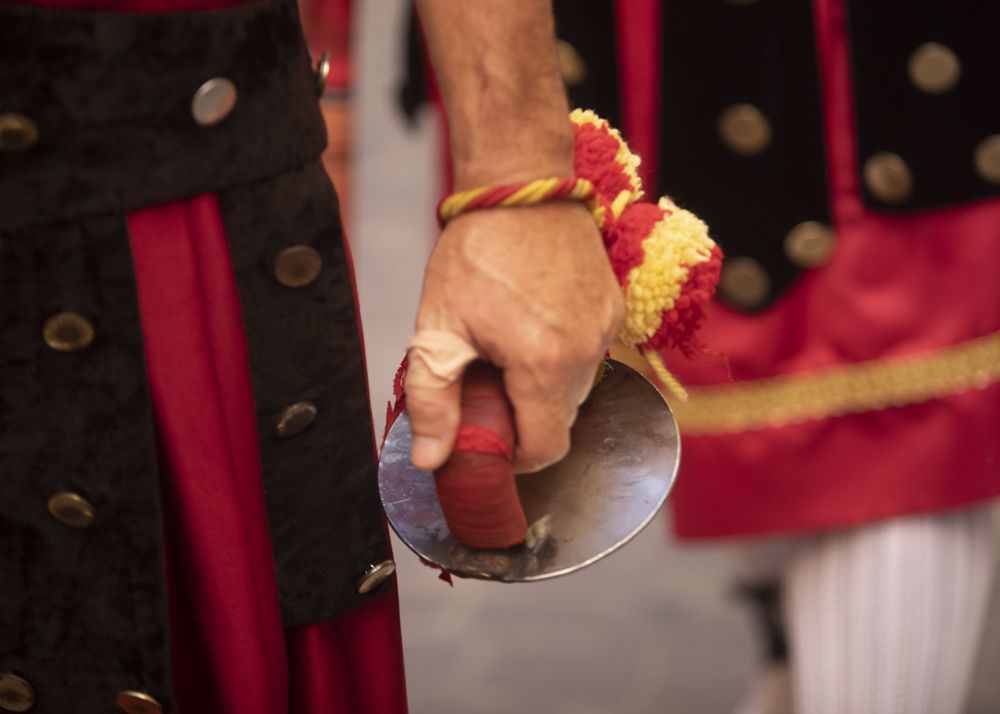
433,394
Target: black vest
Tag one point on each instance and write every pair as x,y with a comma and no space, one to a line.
741,139
95,121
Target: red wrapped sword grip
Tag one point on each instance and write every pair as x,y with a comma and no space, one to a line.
476,486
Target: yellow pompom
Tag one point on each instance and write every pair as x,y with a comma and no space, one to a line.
678,241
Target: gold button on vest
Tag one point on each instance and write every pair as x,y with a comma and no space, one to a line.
297,266
934,68
744,283
295,419
137,703
68,332
810,244
71,509
744,129
987,158
571,65
888,177
16,694
375,576
17,133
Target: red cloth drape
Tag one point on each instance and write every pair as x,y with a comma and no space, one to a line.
230,653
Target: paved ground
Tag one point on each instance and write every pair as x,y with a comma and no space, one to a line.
650,629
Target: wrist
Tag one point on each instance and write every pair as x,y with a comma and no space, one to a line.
511,147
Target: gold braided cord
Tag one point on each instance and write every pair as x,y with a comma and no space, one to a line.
847,389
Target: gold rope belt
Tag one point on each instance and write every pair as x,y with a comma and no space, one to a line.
846,389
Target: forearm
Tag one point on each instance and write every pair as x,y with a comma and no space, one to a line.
496,64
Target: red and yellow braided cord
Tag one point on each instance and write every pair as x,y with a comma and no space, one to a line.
526,193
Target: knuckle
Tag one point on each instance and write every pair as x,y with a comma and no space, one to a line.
429,414
553,451
593,346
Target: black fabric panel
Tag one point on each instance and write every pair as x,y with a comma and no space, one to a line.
321,487
82,612
111,95
589,25
716,54
936,134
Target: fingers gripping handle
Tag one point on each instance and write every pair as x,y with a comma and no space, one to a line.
476,486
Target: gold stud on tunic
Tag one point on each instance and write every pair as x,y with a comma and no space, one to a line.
322,72
68,332
810,244
744,283
295,419
16,693
888,177
934,68
17,133
134,702
71,509
744,129
297,266
213,101
375,576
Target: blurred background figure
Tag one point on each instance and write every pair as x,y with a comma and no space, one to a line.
849,395
847,159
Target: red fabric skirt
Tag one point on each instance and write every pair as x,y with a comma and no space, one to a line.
230,651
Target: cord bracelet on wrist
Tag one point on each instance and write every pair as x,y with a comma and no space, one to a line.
525,193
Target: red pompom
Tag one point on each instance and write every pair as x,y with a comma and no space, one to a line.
594,159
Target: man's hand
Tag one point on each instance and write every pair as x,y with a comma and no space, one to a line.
532,291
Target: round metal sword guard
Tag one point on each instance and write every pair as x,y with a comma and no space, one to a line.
622,464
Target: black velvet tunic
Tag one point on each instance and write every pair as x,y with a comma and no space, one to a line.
83,610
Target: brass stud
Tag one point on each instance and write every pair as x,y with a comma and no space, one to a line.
297,266
987,158
16,693
322,72
375,575
744,283
17,133
744,129
810,244
571,65
888,177
134,702
213,101
71,509
934,68
68,332
295,419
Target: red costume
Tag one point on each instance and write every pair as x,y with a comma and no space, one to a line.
911,293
